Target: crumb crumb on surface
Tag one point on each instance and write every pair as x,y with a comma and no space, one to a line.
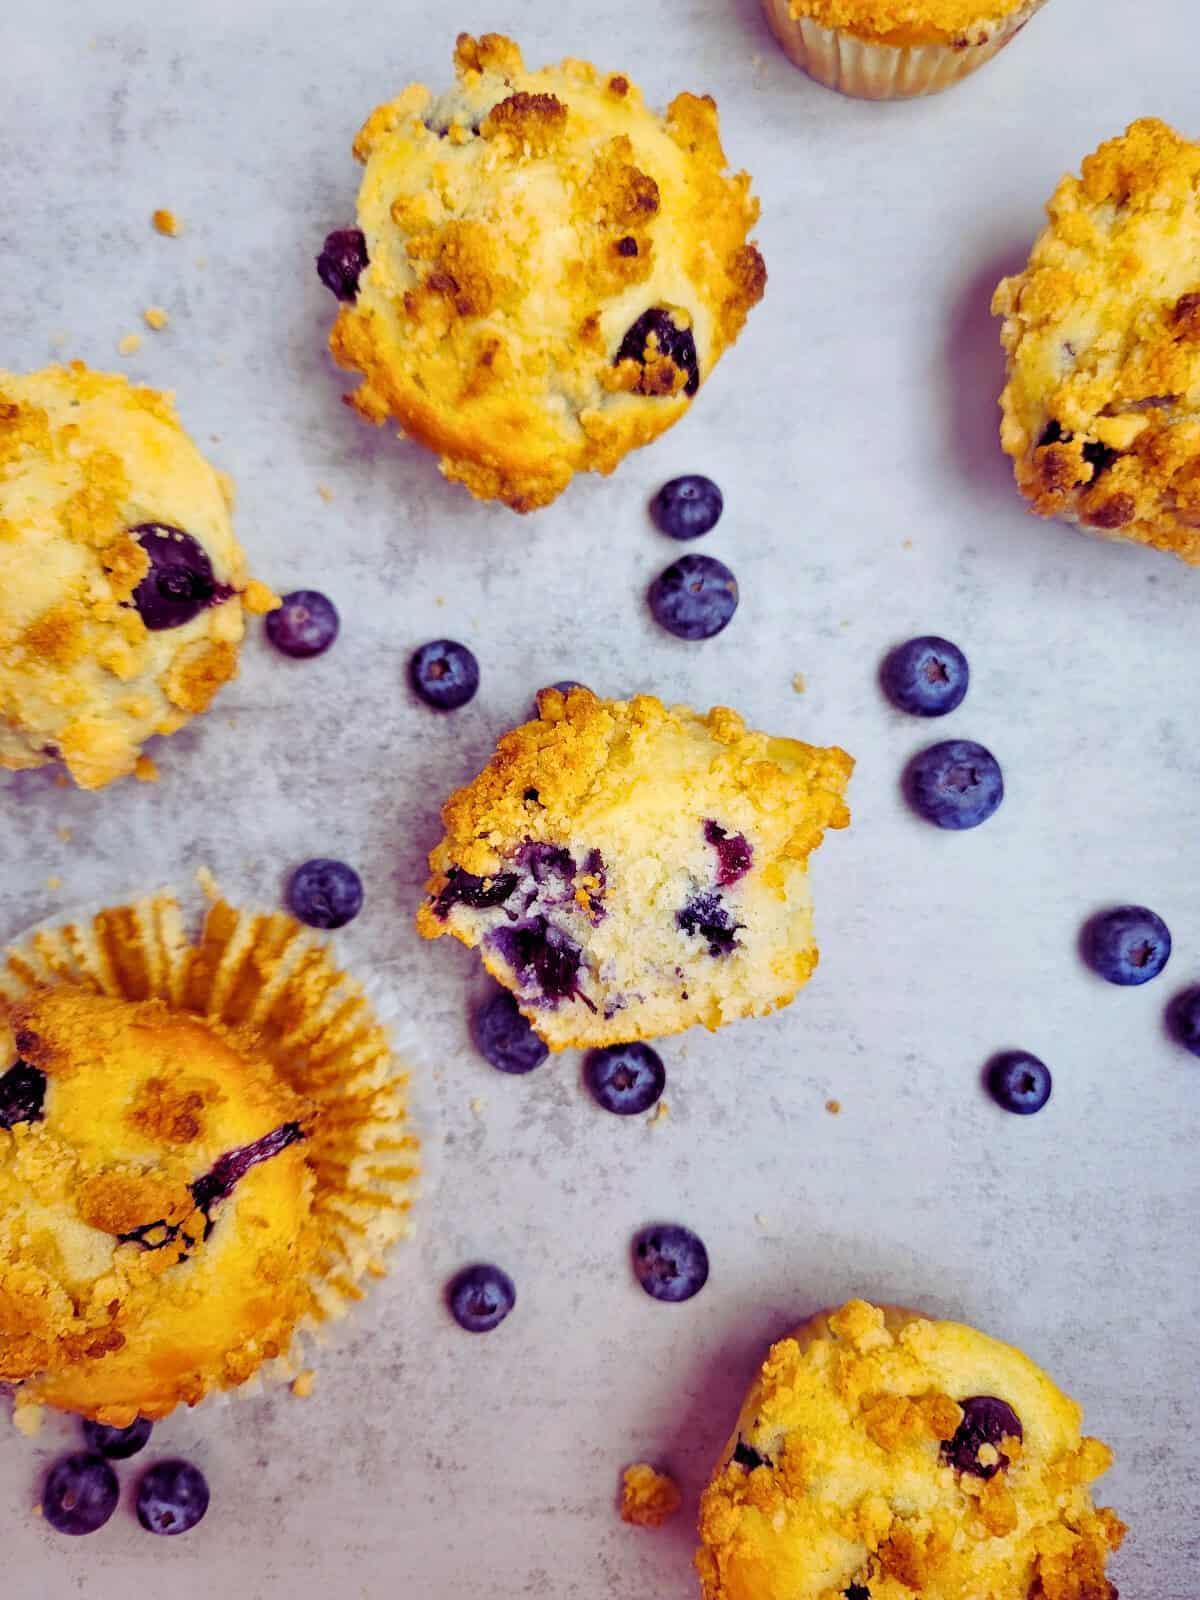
167,223
906,544
155,317
257,599
762,1219
478,1105
661,1111
325,492
54,881
144,770
648,1497
65,835
798,683
128,343
303,1384
833,1107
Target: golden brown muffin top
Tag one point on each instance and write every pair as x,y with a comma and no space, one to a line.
906,21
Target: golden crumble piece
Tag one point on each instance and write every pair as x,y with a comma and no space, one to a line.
544,270
880,1452
630,870
167,223
155,317
101,491
648,1497
1101,411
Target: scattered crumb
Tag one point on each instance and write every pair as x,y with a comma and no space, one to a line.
54,881
156,317
844,623
762,1219
478,1105
303,1384
167,223
257,599
648,1497
65,834
661,1112
906,544
834,1107
37,1508
439,599
201,262
325,492
145,771
128,343
799,684
28,1419
61,781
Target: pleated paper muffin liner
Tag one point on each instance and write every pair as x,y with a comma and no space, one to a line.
870,70
319,1027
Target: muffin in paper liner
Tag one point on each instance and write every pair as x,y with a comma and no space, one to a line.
259,976
874,69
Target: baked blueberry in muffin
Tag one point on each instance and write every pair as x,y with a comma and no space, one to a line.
880,1454
629,870
122,587
1102,330
544,271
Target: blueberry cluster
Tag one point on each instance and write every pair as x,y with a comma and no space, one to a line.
696,596
81,1491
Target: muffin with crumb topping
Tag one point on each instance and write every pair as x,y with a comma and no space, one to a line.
895,49
544,271
1102,329
880,1455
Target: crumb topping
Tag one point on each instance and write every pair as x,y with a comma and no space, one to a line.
911,21
648,1497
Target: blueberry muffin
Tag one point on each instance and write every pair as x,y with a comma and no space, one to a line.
1102,330
155,1195
544,269
880,1456
628,870
122,586
894,49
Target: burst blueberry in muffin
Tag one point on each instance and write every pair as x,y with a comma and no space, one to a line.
1102,330
627,870
544,271
122,587
882,1455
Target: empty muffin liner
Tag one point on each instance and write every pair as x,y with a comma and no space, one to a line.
869,70
316,1025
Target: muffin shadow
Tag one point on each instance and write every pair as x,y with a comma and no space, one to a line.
974,378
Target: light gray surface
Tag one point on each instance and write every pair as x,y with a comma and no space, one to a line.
853,430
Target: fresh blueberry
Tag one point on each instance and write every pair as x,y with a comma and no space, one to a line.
80,1494
694,598
707,917
467,889
1127,945
305,623
342,262
542,955
926,677
747,1456
325,894
444,674
955,785
625,1078
480,1297
670,1262
656,334
858,1591
986,1420
687,507
172,1497
1183,1019
505,1038
735,854
22,1095
1019,1082
118,1444
180,582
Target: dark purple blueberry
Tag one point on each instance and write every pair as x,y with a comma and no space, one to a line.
694,598
172,1497
734,854
1183,1019
505,1038
857,1591
324,893
986,1420
342,262
444,674
118,1444
304,624
658,327
547,862
542,956
688,507
670,1262
465,889
926,677
747,1456
1099,457
80,1494
1128,945
707,917
180,582
1019,1082
955,785
229,1170
625,1079
480,1297
22,1095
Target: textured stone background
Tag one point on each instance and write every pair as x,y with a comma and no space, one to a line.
854,432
